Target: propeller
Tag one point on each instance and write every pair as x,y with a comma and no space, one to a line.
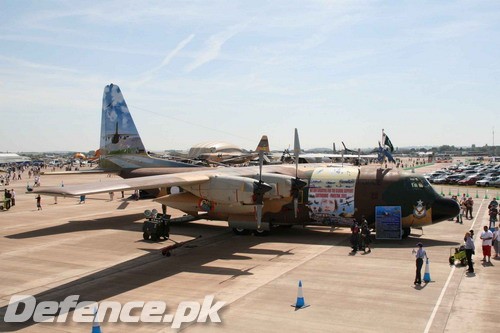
260,188
297,184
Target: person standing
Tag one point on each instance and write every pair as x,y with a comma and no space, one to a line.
8,198
12,198
39,202
354,237
487,237
365,237
469,251
493,216
496,241
420,254
469,205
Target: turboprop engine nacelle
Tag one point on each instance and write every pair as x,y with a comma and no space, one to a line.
281,185
225,189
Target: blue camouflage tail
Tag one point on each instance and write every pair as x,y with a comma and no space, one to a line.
121,146
118,132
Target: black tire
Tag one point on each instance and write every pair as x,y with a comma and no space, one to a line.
463,262
241,231
261,233
154,237
406,232
452,260
145,235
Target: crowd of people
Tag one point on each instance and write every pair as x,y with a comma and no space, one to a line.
360,237
490,238
13,174
466,207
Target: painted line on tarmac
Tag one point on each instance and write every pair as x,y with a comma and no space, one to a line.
443,291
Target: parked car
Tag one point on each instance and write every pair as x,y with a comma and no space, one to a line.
440,180
471,180
487,181
453,179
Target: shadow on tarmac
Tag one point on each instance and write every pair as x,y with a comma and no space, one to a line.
152,266
126,222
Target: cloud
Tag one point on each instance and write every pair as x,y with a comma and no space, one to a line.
213,46
147,76
34,65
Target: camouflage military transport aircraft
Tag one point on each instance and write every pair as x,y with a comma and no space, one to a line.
257,198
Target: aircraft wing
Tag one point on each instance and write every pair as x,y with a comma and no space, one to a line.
80,172
149,182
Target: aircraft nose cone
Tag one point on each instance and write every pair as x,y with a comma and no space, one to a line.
444,209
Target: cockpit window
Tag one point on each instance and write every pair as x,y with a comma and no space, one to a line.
416,183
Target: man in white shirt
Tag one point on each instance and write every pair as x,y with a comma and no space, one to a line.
487,237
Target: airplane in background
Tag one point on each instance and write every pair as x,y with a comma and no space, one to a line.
259,197
345,156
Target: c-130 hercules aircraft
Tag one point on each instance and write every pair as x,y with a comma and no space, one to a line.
257,198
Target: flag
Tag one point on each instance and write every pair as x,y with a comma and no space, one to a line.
388,143
382,153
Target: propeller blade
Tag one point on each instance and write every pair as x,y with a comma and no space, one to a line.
261,162
260,188
258,210
297,184
296,151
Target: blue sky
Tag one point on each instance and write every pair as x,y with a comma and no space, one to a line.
192,71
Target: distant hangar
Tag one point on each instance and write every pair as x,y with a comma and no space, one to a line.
213,147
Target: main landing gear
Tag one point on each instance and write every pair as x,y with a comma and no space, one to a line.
256,232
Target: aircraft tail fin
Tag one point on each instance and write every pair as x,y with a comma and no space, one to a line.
263,145
118,132
121,146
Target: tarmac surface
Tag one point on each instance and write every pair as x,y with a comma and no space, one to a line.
96,250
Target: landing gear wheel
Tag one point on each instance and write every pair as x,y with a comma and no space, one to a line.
154,237
406,232
145,235
241,231
261,233
451,260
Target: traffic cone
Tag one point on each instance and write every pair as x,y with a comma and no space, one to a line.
427,275
300,304
96,328
477,194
